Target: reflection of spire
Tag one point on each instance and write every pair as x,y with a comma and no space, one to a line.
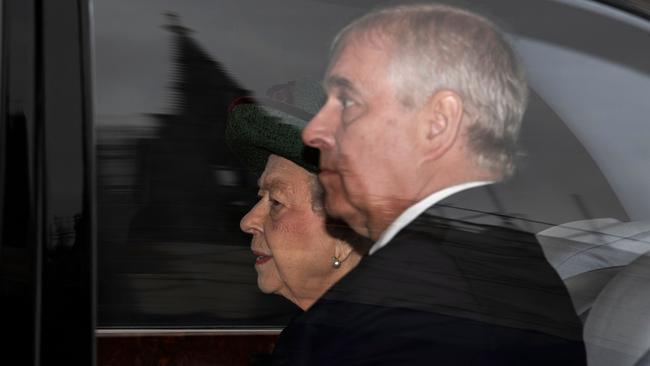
174,24
202,88
179,163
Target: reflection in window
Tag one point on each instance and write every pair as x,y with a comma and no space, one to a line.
171,195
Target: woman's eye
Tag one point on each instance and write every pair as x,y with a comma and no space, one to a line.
275,204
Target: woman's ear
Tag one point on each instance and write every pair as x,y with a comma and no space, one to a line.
343,250
440,120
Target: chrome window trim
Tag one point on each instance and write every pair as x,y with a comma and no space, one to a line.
162,332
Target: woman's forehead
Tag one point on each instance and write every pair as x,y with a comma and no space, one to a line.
284,175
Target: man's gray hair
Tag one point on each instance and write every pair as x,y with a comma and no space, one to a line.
438,47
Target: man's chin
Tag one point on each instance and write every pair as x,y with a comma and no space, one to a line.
342,210
335,208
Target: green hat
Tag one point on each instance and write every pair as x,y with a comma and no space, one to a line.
258,127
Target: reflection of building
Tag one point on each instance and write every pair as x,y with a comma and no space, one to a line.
183,200
171,195
183,179
120,191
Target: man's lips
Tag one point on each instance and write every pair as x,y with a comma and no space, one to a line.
261,258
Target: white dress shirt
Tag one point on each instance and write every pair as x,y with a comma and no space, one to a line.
415,210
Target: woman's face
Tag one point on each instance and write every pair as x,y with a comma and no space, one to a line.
292,247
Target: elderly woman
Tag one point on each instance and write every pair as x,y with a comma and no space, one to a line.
299,252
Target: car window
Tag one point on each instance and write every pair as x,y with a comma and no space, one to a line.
171,194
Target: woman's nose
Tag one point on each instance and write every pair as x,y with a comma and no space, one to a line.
251,223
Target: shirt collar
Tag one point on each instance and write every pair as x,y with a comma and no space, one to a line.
415,210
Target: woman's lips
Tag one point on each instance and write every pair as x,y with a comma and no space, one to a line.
261,258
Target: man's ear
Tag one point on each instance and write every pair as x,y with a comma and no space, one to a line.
441,118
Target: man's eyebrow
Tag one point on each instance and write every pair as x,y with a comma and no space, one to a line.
340,82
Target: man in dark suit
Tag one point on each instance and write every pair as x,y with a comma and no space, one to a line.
424,107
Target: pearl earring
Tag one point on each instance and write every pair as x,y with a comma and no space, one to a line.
336,263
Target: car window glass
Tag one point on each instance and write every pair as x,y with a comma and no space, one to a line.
171,194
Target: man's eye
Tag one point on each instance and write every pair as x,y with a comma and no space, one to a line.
345,101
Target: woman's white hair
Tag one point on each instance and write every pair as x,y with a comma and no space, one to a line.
438,47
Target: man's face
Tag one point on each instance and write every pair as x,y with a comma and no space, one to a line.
366,139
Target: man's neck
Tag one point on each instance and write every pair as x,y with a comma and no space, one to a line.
451,173
412,212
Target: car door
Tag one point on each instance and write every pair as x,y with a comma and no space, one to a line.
46,185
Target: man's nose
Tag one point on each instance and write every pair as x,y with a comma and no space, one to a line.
319,131
251,223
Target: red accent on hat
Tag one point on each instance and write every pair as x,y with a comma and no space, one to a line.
241,100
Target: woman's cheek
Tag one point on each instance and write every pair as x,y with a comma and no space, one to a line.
292,223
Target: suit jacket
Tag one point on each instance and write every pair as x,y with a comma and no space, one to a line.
443,292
